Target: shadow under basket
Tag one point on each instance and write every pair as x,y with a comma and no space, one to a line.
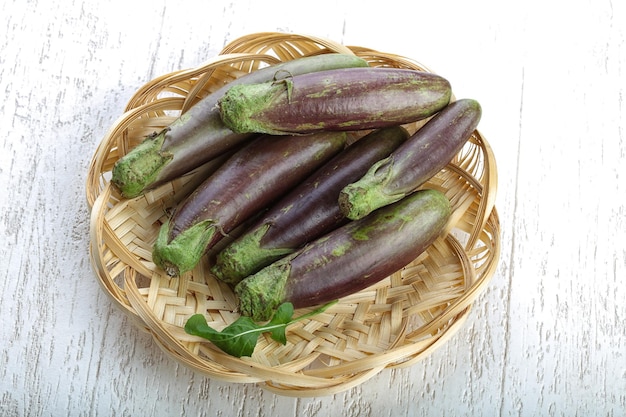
392,324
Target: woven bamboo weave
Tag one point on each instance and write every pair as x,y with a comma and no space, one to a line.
394,323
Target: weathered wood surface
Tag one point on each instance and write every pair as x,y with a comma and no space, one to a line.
548,337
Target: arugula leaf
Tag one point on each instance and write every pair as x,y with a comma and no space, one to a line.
240,337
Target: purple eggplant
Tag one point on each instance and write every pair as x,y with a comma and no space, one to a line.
348,259
199,135
418,159
248,182
307,212
340,99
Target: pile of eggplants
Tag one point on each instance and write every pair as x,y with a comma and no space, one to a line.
318,216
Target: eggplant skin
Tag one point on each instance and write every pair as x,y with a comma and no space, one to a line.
247,183
348,259
307,212
339,99
414,162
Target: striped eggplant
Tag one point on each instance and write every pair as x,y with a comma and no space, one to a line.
413,163
248,182
307,212
348,259
340,99
199,135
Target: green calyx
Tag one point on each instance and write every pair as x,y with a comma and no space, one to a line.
369,193
241,103
245,256
260,294
182,253
134,172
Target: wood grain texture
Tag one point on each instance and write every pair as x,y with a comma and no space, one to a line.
546,338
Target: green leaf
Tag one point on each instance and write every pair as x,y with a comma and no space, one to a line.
278,324
240,337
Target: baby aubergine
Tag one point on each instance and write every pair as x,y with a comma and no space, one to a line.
307,212
199,135
348,259
340,99
414,162
248,182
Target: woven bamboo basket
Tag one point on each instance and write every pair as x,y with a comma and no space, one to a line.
392,324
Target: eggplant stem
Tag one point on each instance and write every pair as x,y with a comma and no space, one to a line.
132,173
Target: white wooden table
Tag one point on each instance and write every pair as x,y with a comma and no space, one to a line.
548,337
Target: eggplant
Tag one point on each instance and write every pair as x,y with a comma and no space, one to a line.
348,259
248,182
307,212
199,135
339,99
413,163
